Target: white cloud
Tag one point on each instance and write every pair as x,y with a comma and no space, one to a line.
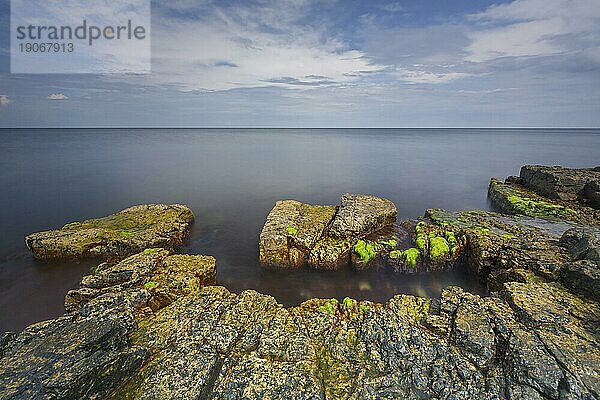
529,28
4,100
247,46
57,96
415,76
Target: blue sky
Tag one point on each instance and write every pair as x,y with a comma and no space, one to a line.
327,63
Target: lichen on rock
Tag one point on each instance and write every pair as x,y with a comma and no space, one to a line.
116,236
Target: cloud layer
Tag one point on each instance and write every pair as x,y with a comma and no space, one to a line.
344,63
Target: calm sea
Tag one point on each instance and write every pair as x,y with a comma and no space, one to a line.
232,177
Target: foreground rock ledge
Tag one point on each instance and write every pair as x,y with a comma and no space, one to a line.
116,236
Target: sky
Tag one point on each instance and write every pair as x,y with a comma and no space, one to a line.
334,63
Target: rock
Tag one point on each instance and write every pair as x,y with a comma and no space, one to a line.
582,277
322,237
512,198
88,352
562,183
214,344
117,236
330,254
164,277
501,248
582,243
291,231
591,194
534,339
360,215
70,357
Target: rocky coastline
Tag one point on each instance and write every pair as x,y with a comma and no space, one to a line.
151,324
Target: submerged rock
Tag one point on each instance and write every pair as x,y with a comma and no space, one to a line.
116,236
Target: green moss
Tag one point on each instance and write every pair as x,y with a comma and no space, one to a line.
366,251
150,285
421,235
348,302
395,254
411,256
71,225
390,243
126,233
452,242
150,251
438,247
329,307
363,308
290,230
538,208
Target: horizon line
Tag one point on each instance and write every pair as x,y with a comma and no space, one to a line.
302,127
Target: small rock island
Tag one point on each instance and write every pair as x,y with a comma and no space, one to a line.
154,326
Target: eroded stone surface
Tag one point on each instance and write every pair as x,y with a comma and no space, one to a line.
291,231
563,183
322,237
116,236
88,352
361,214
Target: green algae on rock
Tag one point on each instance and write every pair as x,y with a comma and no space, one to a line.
525,195
116,236
323,237
291,231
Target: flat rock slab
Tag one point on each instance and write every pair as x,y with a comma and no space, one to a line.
511,197
292,229
297,234
116,236
561,183
361,215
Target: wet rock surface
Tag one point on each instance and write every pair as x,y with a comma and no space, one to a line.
116,236
361,214
559,183
149,327
297,234
88,352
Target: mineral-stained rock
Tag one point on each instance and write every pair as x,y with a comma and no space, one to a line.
117,236
297,234
88,352
582,243
562,183
582,277
291,231
164,277
361,214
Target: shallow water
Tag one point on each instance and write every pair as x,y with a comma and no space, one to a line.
231,178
